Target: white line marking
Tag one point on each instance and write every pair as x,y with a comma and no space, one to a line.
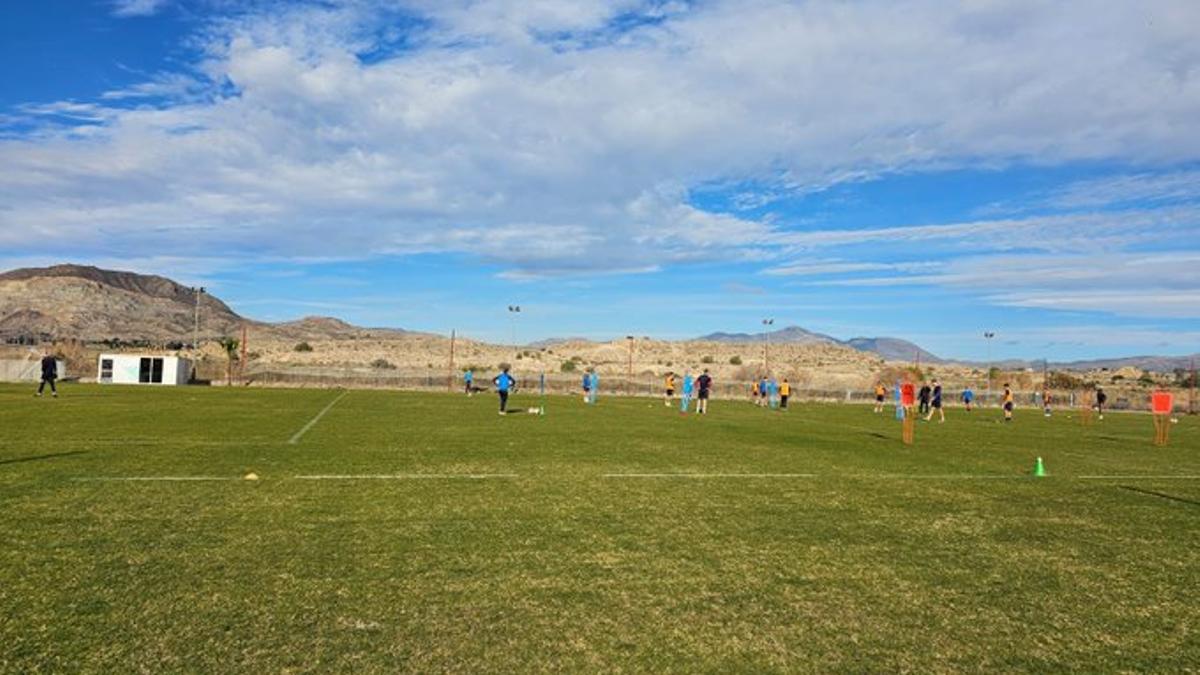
709,475
141,479
1141,476
942,476
410,476
296,439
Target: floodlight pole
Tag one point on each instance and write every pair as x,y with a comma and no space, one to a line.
987,336
513,311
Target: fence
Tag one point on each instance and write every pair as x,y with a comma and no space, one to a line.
374,378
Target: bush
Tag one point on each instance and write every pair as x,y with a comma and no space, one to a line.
708,359
567,367
1061,380
382,364
303,347
735,360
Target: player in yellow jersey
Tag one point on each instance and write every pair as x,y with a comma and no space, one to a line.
669,389
785,390
1008,403
880,392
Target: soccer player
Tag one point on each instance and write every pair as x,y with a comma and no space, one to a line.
1046,402
670,389
704,384
879,394
923,399
49,374
785,390
505,383
594,387
935,400
968,398
773,393
689,387
1008,403
1101,399
469,381
587,387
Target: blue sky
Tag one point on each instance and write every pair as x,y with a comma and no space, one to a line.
917,169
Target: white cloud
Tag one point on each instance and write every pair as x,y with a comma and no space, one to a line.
1132,188
536,134
129,8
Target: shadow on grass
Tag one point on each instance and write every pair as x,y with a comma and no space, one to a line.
55,455
1162,495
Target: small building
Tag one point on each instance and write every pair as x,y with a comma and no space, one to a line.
143,369
27,370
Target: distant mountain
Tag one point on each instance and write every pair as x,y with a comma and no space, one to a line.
1158,364
555,341
791,335
891,349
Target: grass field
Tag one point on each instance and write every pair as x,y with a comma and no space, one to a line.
424,532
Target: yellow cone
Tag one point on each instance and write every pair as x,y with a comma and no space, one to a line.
250,476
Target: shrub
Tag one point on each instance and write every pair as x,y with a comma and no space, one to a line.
707,359
567,367
382,364
735,360
303,347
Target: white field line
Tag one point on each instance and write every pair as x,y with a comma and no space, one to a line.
709,475
409,476
311,423
153,479
1142,477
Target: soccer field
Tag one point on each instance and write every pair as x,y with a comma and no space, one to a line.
424,532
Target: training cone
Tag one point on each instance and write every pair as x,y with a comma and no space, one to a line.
1039,469
250,476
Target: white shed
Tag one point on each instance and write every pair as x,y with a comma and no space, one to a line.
143,369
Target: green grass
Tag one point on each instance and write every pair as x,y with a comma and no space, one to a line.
943,556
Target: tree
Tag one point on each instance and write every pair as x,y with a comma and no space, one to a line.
231,346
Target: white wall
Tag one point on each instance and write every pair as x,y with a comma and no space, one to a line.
26,370
126,369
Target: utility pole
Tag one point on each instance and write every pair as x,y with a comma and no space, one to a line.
767,323
450,376
988,335
242,363
629,372
1192,392
198,291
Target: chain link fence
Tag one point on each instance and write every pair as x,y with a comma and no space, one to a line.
557,383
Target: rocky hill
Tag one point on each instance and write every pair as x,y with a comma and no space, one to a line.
96,305
92,304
